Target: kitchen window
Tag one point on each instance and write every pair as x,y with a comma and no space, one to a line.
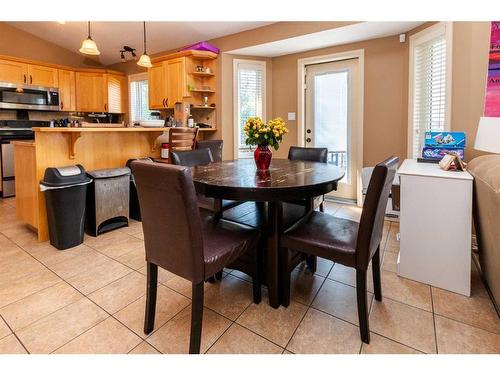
430,84
249,99
139,103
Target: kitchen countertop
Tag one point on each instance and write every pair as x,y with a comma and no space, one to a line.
96,129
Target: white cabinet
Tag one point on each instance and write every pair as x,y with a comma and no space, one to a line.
435,226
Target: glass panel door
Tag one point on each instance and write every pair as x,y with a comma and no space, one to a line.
329,105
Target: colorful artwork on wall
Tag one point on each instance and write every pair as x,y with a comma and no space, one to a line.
492,102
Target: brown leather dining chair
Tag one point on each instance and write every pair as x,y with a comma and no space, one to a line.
319,154
215,147
181,240
203,156
345,241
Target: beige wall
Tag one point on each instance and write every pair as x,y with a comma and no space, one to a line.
471,42
18,43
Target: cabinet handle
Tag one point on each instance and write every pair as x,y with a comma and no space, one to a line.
24,75
31,79
167,103
163,102
105,107
62,104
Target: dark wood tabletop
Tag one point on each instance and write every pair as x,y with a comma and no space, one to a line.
285,180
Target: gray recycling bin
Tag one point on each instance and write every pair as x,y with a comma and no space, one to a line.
65,192
107,200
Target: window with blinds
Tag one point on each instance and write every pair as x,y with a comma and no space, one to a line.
139,106
250,94
429,87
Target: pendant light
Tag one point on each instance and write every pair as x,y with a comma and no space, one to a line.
88,45
144,60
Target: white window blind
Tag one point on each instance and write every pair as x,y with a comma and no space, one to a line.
429,110
250,94
139,106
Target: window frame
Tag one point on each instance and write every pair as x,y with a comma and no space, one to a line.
134,78
237,64
441,28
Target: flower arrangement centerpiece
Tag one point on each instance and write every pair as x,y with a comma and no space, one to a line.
261,134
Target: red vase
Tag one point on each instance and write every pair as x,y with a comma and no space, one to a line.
262,156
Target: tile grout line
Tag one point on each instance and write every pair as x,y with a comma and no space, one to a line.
15,335
434,323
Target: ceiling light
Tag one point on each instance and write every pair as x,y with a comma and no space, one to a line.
61,22
122,56
88,45
145,61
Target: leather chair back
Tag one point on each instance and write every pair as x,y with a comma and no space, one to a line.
308,154
170,218
215,146
193,158
372,218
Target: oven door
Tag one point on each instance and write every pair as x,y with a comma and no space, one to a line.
15,96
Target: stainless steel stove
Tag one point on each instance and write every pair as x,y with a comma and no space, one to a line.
11,130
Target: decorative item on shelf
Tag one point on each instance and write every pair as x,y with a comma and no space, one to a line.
190,122
205,101
202,46
200,69
89,47
144,60
208,70
439,144
263,135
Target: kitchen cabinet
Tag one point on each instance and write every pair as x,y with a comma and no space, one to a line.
157,86
67,90
176,80
117,93
167,83
40,75
13,72
91,92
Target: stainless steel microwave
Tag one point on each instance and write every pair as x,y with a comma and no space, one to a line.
19,96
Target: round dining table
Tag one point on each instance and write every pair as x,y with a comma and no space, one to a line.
285,181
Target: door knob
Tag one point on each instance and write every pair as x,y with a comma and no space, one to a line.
308,131
308,140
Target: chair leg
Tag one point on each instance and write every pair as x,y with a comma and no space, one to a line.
218,275
152,283
218,209
257,277
377,285
321,207
211,279
196,318
312,263
362,306
284,277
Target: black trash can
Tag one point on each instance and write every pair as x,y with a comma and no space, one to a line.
65,193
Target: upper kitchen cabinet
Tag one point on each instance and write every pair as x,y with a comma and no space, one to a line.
157,86
91,92
13,72
117,93
176,81
67,90
40,75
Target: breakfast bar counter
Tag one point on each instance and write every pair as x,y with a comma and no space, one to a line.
93,148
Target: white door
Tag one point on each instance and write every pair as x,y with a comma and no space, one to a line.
331,100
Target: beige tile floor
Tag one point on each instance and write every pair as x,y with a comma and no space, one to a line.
90,299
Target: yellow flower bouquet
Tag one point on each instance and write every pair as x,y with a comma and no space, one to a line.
263,135
259,133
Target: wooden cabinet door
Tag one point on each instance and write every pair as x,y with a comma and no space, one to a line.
67,90
157,82
13,72
91,92
176,85
42,76
117,93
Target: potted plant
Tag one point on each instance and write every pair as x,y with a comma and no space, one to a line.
263,135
